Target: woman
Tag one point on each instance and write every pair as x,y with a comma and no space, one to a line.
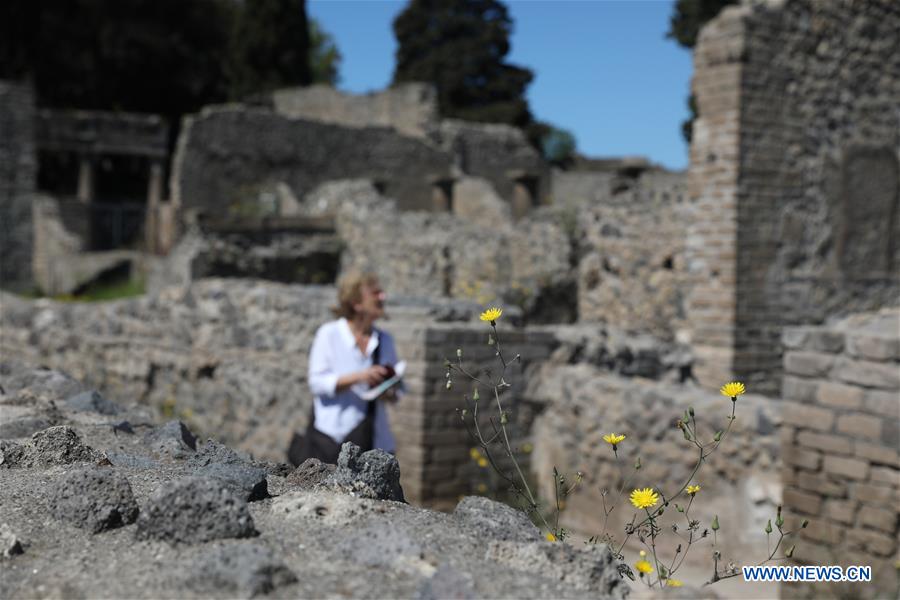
348,356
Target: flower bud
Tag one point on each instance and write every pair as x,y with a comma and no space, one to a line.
503,418
790,552
715,523
679,508
490,340
691,411
475,395
769,526
459,353
718,437
449,384
637,464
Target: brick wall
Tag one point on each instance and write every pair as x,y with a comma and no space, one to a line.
794,173
841,440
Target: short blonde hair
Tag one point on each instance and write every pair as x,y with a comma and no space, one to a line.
350,292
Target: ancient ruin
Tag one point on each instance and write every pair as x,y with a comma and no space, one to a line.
631,293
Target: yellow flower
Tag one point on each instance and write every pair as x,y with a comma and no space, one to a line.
643,553
645,498
733,389
475,453
527,448
613,439
550,537
482,462
491,314
643,566
674,583
692,489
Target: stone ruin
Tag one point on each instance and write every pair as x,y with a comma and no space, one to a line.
631,292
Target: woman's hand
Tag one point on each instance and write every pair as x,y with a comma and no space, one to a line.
373,375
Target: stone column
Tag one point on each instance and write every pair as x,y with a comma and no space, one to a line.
154,200
86,179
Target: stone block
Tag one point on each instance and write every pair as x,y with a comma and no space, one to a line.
823,531
880,348
888,475
874,494
878,518
811,417
842,511
839,395
868,373
822,484
876,453
800,390
808,364
851,468
802,502
882,403
806,459
873,542
830,444
863,426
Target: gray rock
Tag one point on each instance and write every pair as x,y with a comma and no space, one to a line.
95,499
447,582
92,401
41,381
247,569
173,439
496,520
10,544
193,510
11,454
310,474
58,446
374,473
212,451
249,482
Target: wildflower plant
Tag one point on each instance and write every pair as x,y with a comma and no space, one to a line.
654,567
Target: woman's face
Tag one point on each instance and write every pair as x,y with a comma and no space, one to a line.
371,302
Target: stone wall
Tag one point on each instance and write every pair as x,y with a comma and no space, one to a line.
631,245
410,108
740,482
227,156
229,357
794,172
18,176
841,444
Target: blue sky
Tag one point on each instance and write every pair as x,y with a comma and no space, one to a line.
603,68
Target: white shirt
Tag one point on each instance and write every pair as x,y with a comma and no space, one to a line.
334,353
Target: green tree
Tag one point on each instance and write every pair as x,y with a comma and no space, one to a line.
270,47
324,56
460,46
688,17
161,56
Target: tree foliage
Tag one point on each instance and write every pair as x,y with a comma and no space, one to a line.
270,47
460,46
324,56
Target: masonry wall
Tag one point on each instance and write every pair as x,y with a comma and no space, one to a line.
409,108
229,357
794,173
841,442
18,175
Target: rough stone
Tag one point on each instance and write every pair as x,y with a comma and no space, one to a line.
311,473
496,520
375,472
249,482
173,439
246,569
95,499
194,510
10,544
59,445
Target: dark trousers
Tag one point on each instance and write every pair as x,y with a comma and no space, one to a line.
315,444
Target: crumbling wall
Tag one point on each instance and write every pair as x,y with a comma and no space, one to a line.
631,244
410,108
840,441
794,171
227,155
18,176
